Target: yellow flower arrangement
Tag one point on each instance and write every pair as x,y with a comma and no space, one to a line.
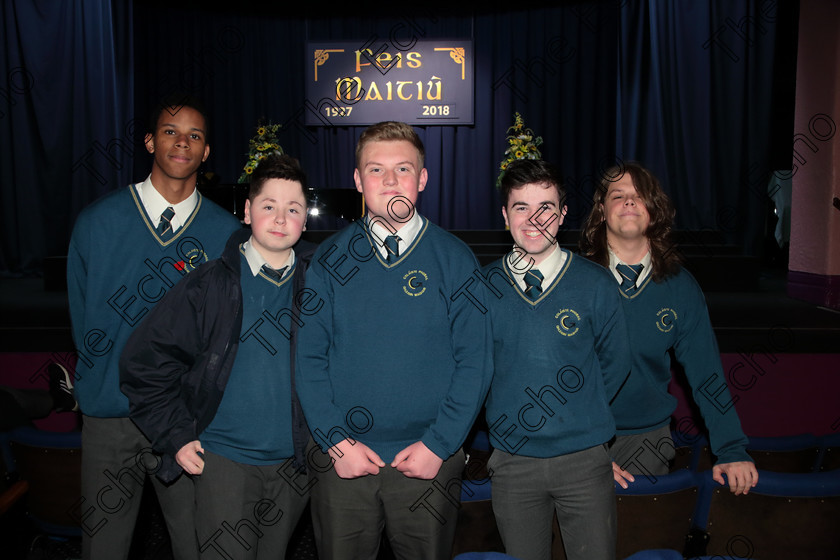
521,145
260,146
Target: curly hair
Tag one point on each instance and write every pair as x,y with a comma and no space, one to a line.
665,261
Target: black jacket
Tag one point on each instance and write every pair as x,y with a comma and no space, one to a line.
176,364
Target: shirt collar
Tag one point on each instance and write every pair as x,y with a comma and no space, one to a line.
550,267
256,261
614,260
407,233
155,204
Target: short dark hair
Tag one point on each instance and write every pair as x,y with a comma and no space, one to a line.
277,166
522,172
174,102
593,240
390,131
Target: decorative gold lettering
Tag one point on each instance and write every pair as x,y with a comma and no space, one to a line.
400,91
384,60
373,93
344,89
359,62
434,82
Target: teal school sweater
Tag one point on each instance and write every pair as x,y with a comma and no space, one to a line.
400,352
558,360
666,315
117,270
253,422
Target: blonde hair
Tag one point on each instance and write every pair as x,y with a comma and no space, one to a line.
389,131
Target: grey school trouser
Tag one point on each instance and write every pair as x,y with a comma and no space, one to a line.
247,512
526,491
646,454
116,459
417,516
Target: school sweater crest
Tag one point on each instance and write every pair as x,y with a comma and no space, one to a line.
666,315
558,360
118,268
398,353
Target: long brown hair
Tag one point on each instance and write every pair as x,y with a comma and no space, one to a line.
665,260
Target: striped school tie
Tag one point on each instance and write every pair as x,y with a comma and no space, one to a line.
274,274
164,229
629,274
533,283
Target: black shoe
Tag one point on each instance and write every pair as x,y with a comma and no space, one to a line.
61,388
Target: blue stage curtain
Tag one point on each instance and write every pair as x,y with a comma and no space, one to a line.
556,66
598,80
700,101
66,98
700,91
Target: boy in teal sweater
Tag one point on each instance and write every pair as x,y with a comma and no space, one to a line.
127,250
628,231
393,370
209,375
560,356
